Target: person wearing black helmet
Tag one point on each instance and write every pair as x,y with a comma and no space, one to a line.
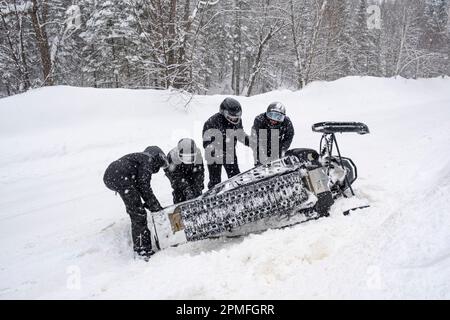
185,171
272,134
130,177
220,135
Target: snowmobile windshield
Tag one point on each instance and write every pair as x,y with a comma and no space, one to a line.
276,116
233,118
187,158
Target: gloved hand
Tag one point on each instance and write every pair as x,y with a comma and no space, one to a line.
198,191
155,207
189,193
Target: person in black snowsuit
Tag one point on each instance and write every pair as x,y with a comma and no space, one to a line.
186,171
218,131
130,177
266,127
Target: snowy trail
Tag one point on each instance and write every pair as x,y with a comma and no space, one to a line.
56,216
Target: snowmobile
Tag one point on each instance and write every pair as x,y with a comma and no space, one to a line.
301,186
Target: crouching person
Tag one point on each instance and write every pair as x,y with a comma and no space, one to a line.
186,171
130,177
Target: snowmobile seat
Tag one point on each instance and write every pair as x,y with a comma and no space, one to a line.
305,155
340,127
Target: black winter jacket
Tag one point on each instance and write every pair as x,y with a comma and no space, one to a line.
185,176
135,170
286,133
219,122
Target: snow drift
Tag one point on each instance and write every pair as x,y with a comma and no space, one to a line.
64,235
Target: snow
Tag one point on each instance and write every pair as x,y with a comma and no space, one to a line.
64,235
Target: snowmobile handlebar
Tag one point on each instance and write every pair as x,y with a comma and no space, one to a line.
340,127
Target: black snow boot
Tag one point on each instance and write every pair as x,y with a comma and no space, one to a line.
144,254
142,241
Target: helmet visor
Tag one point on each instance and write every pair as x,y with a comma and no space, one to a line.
187,158
276,116
233,118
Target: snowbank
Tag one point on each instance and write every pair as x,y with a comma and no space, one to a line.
59,224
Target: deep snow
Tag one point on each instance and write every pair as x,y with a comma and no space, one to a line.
58,221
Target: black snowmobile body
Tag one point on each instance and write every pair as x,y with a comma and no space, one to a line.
299,187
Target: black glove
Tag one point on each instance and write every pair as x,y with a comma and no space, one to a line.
198,192
154,207
189,193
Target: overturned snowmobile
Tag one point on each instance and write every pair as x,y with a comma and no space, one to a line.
299,187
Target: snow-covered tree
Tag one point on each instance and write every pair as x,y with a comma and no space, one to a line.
217,46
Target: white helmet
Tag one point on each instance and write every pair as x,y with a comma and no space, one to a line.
276,112
187,151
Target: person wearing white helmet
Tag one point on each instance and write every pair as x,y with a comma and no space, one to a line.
185,171
272,134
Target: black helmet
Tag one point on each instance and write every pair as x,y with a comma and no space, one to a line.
187,151
158,156
231,110
276,112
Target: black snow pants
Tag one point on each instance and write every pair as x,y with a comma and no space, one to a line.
215,172
142,243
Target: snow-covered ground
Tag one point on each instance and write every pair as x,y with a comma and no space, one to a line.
59,224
